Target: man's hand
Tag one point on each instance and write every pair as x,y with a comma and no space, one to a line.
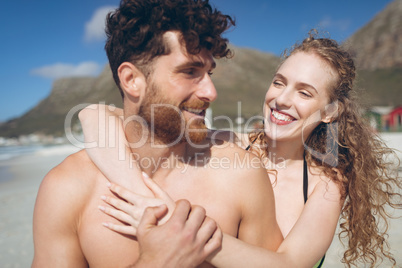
185,240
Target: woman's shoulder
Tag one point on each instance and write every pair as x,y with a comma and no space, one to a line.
324,184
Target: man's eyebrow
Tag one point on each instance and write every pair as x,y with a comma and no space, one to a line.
194,64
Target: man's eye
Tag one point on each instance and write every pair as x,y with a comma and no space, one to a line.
189,71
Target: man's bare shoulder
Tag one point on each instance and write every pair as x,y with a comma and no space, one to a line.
240,139
231,162
71,179
61,201
227,161
236,154
74,167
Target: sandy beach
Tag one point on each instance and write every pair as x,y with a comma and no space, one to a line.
20,178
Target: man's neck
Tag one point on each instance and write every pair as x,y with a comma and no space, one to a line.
153,156
155,159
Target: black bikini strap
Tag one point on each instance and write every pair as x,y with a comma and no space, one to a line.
248,147
305,188
321,262
305,179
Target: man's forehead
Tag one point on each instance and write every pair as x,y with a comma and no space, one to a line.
178,48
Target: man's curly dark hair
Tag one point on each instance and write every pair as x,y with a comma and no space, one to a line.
135,31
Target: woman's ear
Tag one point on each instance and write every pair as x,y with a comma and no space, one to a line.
132,80
331,112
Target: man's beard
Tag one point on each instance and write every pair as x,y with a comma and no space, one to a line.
166,121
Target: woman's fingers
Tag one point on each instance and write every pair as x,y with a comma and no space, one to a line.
122,229
122,210
154,187
118,203
125,194
161,195
120,215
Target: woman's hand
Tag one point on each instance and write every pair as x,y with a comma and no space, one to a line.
129,207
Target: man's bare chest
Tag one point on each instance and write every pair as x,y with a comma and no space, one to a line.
105,248
209,190
101,246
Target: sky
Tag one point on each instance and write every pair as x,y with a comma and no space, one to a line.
45,40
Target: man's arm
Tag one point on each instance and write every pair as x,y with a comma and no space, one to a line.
55,221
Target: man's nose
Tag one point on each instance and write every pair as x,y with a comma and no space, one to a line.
207,91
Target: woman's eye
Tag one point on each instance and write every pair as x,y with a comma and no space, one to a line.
305,94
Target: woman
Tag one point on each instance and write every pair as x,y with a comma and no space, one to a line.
314,138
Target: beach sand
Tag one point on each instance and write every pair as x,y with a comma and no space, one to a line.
21,177
19,182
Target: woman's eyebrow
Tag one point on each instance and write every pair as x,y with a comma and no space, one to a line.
301,84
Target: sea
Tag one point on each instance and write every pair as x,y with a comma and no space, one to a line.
9,153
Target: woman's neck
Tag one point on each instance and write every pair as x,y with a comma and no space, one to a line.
284,152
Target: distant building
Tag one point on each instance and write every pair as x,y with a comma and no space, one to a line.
385,118
395,119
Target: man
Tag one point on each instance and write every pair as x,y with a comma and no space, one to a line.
161,54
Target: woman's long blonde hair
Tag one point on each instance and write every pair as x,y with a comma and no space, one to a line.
347,146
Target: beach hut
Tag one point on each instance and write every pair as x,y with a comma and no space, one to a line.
379,117
395,119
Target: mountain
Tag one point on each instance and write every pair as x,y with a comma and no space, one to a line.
48,116
378,45
378,54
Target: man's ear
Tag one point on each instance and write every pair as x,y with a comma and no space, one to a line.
132,80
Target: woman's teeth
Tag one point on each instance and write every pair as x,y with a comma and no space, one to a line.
282,117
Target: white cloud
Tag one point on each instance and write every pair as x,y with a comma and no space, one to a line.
95,28
60,70
328,23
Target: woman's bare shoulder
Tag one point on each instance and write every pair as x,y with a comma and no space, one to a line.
325,185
